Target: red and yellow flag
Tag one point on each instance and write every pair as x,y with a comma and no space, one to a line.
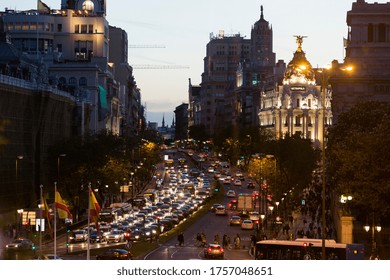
94,209
63,210
46,215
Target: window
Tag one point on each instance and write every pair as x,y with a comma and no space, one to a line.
59,27
72,81
83,28
83,82
298,103
90,28
83,49
298,120
381,32
59,47
370,33
309,103
77,28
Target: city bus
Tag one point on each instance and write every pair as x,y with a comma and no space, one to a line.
307,249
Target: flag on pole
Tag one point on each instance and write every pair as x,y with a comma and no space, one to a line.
42,7
46,215
94,209
62,208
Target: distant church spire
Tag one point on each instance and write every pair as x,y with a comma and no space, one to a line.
163,121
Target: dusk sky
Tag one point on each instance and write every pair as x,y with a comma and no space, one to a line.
183,27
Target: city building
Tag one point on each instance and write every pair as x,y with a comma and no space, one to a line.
64,72
296,106
181,127
367,52
236,71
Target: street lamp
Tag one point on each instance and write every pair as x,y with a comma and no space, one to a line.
373,228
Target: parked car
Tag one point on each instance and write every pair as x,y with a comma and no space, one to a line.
20,244
49,257
115,254
235,221
247,224
214,251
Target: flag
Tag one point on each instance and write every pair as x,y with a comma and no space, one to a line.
94,209
63,210
42,7
46,215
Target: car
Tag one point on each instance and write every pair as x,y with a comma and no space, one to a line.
237,182
97,236
214,206
239,175
116,236
247,224
49,257
214,251
20,244
250,185
78,236
220,210
115,254
235,221
231,193
232,204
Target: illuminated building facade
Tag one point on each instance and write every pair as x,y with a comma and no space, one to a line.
296,105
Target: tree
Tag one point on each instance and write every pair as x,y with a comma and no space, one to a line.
358,155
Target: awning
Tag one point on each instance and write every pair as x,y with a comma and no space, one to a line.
103,97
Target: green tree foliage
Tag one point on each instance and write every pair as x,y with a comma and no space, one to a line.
104,160
358,153
296,161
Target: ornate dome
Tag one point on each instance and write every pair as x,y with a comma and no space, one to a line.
299,69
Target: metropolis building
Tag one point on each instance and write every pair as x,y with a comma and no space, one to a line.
296,106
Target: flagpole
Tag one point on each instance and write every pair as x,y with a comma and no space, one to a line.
89,218
55,220
40,220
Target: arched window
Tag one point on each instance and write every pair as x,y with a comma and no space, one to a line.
62,81
72,81
83,82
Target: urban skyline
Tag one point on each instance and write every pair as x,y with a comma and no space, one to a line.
183,29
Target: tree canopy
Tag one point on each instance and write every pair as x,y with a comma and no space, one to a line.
358,155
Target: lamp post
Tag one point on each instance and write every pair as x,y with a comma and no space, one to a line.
18,158
132,185
58,166
20,217
374,228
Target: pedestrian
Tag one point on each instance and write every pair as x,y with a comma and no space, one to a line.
216,239
180,238
225,241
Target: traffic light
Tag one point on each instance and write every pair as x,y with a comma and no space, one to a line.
33,247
